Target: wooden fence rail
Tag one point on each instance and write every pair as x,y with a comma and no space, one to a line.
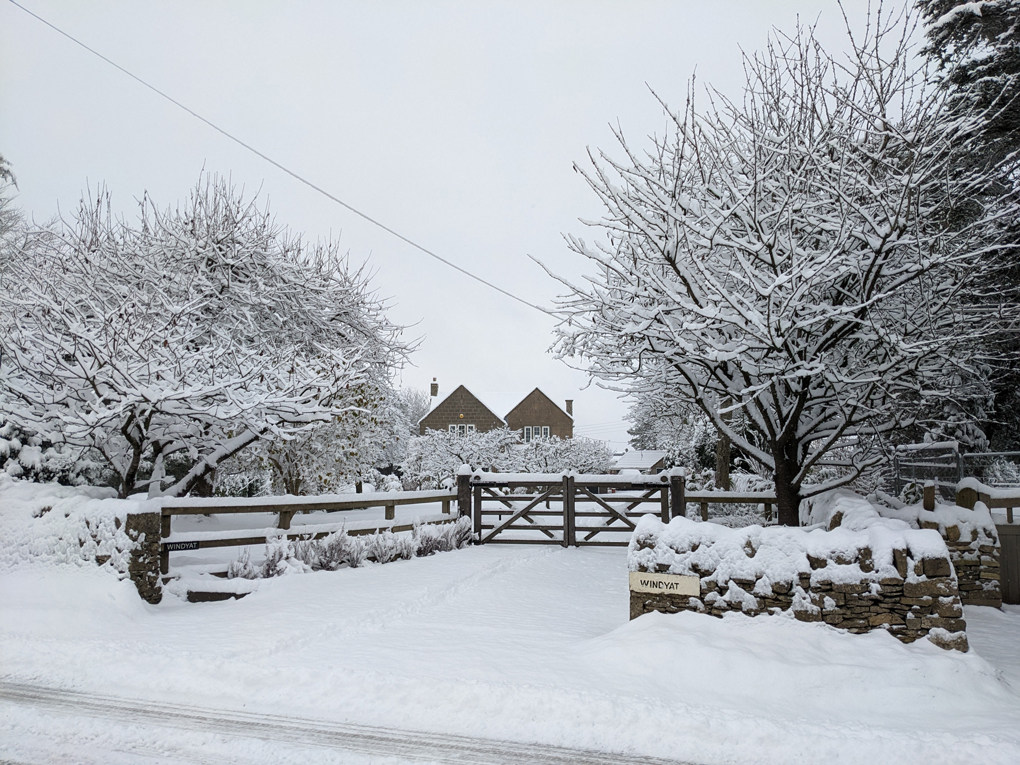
285,511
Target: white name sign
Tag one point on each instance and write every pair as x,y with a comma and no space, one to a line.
671,584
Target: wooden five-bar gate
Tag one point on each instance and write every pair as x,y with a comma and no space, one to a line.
574,510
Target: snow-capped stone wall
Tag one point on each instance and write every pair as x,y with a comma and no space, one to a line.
970,536
887,576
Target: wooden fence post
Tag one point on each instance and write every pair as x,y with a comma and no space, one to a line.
164,532
285,518
391,512
967,497
704,511
664,503
678,504
929,495
478,512
446,507
569,537
464,490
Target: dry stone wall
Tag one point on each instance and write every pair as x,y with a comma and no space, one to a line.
969,535
888,577
143,567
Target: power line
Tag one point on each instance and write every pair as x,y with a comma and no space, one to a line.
276,164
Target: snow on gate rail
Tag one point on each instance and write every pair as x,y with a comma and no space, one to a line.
542,523
286,508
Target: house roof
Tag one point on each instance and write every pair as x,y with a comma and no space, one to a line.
639,460
440,401
540,392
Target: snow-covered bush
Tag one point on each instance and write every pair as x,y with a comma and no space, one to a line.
1002,472
31,456
284,556
433,459
46,522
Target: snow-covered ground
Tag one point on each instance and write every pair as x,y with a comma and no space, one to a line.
520,643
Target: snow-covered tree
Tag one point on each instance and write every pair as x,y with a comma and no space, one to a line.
9,216
400,414
184,338
977,48
794,256
670,424
432,460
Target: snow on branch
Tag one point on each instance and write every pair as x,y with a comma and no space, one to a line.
796,256
170,344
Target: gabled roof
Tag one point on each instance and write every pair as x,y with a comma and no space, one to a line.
540,393
639,460
444,399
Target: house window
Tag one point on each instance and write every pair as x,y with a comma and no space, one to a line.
545,431
470,428
461,429
527,434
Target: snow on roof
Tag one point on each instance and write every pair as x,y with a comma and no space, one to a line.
639,460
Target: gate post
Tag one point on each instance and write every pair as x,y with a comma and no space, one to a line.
677,502
478,513
569,536
664,500
464,490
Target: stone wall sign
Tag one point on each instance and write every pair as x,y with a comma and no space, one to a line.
672,584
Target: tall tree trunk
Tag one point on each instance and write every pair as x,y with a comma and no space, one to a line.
787,492
722,461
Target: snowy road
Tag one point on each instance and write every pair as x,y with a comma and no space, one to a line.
346,742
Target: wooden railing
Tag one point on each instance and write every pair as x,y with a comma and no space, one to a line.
285,509
996,499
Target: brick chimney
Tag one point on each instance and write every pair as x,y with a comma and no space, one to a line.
435,388
570,407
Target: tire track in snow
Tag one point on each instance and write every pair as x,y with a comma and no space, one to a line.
365,740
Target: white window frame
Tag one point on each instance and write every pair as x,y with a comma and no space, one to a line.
527,434
470,428
545,431
453,428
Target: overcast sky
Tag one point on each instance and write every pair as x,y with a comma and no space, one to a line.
455,123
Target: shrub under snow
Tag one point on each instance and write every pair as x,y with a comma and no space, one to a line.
285,556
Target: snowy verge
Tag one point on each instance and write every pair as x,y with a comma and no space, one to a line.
50,523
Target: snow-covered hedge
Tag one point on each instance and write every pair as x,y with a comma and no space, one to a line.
879,574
